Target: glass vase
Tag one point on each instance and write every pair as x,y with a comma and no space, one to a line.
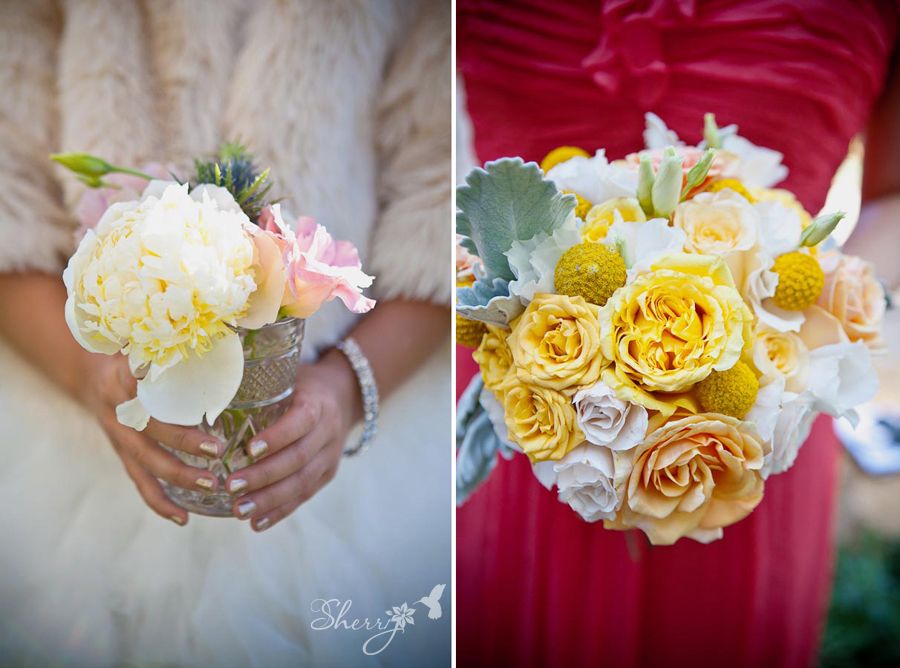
271,360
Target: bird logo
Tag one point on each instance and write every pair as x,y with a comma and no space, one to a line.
433,601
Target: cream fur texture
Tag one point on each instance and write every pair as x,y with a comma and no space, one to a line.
347,100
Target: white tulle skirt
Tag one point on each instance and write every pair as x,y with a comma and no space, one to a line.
90,576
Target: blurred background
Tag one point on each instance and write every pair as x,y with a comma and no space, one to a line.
863,627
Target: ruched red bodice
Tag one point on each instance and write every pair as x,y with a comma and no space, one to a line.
536,585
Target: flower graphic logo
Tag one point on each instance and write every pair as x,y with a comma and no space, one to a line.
401,615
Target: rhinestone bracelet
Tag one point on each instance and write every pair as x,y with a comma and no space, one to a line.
367,388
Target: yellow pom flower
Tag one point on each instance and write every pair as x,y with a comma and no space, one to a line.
469,332
601,217
561,154
591,271
800,281
731,392
731,184
582,206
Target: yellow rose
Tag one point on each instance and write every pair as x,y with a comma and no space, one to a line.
670,328
540,420
717,223
494,357
556,343
601,217
781,354
693,475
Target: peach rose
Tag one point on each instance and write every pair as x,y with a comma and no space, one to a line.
692,477
854,296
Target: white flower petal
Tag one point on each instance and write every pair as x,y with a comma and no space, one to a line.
642,243
841,377
534,261
223,199
132,414
764,413
595,178
196,386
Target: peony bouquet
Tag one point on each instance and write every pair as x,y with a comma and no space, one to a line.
190,279
656,334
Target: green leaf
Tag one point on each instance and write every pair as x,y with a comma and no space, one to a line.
507,201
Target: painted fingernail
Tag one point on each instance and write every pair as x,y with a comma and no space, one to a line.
236,485
257,448
177,519
205,483
210,448
262,524
246,508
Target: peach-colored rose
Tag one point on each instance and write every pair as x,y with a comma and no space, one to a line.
854,296
693,476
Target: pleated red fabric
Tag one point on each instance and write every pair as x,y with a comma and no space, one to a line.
537,586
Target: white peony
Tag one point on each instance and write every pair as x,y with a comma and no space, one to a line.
165,279
534,261
607,420
595,179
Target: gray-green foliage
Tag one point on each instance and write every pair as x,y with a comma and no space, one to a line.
507,201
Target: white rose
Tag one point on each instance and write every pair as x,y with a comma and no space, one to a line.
585,478
607,420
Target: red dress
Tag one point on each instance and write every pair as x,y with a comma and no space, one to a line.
537,586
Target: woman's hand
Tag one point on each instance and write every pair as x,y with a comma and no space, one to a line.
110,383
300,453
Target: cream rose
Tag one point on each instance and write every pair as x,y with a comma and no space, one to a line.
718,223
781,354
540,420
607,420
694,474
556,343
585,480
854,296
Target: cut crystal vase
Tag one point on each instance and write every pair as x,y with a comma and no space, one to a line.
271,360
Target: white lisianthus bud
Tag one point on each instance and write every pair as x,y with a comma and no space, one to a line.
821,227
711,131
645,186
666,191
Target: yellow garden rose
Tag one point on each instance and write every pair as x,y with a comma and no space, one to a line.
717,223
493,357
556,343
540,420
601,217
670,328
693,476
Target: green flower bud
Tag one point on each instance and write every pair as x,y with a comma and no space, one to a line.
698,172
711,131
666,192
82,163
821,227
645,186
